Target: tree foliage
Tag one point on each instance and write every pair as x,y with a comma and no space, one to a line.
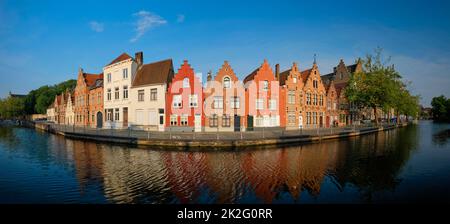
441,108
37,101
379,85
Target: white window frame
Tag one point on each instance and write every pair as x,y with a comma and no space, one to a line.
177,101
193,100
259,104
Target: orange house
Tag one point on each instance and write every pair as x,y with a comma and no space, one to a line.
96,103
224,106
82,110
291,84
332,115
184,101
262,103
315,98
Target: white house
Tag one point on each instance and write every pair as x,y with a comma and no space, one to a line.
51,115
148,95
70,112
118,76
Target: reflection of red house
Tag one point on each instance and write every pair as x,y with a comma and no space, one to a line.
184,101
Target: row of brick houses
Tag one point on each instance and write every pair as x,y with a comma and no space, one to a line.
131,94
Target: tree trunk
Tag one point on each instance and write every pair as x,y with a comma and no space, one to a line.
375,113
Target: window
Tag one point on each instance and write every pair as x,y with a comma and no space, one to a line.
186,83
173,120
265,85
328,105
93,118
226,82
116,93
334,105
259,104
125,92
116,114
109,94
218,102
213,120
226,120
141,95
308,117
291,117
291,97
193,100
295,79
153,94
176,101
125,73
315,99
235,102
108,115
321,100
184,120
99,98
314,118
108,77
308,98
272,104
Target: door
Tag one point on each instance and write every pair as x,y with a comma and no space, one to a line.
328,122
125,117
250,123
198,123
139,117
99,120
237,123
153,118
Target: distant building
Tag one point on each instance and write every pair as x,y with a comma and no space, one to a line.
70,112
16,95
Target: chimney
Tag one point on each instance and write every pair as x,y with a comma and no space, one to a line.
139,57
209,77
277,72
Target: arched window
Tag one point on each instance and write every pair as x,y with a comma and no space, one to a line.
186,83
226,82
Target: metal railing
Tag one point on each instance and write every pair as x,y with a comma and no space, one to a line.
257,134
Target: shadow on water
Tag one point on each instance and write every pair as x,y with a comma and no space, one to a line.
442,137
361,166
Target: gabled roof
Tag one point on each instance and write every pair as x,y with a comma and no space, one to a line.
251,76
305,74
122,57
91,79
154,73
282,77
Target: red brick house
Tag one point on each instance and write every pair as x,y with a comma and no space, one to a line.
332,113
291,93
184,101
314,98
96,103
224,101
82,111
262,98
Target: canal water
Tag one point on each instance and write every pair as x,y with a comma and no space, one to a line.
411,164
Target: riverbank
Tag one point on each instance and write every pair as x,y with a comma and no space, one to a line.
186,141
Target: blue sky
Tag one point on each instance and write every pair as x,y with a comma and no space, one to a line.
45,42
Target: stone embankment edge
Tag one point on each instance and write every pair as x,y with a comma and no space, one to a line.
208,144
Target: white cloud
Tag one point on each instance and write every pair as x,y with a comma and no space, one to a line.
146,20
96,26
180,18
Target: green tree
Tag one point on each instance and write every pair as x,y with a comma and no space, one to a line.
440,108
12,107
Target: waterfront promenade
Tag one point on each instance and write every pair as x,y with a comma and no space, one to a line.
258,137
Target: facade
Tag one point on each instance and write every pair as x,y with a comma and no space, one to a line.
70,112
291,84
96,103
224,103
118,76
184,101
341,76
148,95
84,82
61,108
51,116
262,98
332,114
314,98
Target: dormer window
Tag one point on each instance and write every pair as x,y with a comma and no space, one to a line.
186,83
226,82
